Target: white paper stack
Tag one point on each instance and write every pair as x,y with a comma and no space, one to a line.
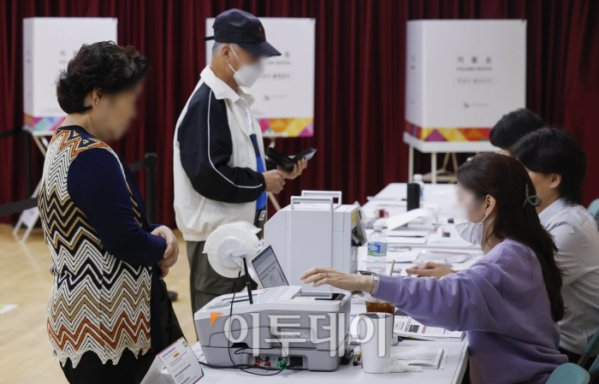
407,327
419,356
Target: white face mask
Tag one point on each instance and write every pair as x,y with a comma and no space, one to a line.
471,232
247,74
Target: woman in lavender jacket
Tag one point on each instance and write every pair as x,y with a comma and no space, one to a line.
509,301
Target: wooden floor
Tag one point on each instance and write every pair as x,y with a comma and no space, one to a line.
25,280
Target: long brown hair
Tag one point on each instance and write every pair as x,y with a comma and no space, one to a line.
505,179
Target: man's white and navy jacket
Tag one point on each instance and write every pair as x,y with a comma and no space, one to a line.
217,163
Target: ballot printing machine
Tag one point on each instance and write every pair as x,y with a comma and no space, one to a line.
316,231
277,326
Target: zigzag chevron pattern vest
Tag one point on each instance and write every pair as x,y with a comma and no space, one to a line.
98,303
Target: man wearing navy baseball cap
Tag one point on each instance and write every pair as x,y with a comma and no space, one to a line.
243,29
220,171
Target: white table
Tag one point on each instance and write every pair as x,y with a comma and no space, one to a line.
455,366
457,351
452,373
434,147
440,198
441,195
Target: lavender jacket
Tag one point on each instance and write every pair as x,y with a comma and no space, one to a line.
501,302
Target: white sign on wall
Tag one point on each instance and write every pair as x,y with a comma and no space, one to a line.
284,94
462,76
49,43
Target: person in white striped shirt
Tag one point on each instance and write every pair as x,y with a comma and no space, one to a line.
557,167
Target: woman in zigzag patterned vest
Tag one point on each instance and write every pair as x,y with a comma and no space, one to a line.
104,311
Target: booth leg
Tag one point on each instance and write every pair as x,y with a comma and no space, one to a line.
411,164
27,163
40,144
434,167
454,159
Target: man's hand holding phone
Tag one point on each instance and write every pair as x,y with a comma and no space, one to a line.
275,181
296,171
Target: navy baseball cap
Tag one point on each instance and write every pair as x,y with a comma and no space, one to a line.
244,29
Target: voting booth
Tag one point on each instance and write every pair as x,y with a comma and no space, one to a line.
284,105
462,76
48,45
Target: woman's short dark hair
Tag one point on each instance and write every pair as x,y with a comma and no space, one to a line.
103,65
513,126
506,179
553,150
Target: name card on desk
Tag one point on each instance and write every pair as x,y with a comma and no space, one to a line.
181,363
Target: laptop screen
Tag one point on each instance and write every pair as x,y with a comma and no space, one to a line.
268,269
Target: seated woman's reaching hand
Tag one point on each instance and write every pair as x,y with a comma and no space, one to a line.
341,280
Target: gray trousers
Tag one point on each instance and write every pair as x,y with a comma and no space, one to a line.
204,282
